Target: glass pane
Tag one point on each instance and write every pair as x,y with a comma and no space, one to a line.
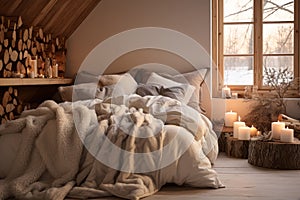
238,70
238,10
278,38
238,39
278,62
278,10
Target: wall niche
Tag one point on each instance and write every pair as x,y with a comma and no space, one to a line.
24,49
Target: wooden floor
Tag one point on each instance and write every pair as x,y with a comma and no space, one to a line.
243,181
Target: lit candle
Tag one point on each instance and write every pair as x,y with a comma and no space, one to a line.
230,117
253,131
258,133
276,129
287,135
226,92
234,95
236,126
244,133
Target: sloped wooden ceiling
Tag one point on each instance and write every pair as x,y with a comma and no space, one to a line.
58,17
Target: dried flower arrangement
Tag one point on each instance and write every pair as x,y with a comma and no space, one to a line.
269,105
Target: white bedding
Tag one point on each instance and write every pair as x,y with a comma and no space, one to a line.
50,147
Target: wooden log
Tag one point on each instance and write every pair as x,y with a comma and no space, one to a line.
10,90
275,155
6,56
1,65
9,67
19,109
5,42
25,35
2,112
14,56
5,98
237,148
15,92
11,116
9,108
15,101
20,45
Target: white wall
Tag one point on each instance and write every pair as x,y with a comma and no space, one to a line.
110,17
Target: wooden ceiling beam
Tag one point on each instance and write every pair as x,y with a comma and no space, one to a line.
13,6
74,22
44,12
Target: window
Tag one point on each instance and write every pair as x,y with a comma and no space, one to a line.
251,35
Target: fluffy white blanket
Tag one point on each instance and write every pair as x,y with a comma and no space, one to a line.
71,150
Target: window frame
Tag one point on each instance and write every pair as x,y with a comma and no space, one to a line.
218,38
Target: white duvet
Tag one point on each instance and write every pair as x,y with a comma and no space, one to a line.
90,150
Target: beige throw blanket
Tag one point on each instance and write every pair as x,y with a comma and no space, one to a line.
53,163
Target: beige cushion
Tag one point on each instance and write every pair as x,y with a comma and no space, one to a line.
156,79
109,85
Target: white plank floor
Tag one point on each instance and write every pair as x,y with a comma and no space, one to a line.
243,181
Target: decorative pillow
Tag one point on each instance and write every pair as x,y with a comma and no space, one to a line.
144,90
108,86
156,79
125,85
109,79
78,92
177,92
196,79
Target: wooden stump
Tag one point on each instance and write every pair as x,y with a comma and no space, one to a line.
275,155
237,148
223,132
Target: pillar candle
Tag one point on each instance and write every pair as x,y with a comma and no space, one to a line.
253,131
244,133
230,117
33,65
287,135
236,126
276,129
226,92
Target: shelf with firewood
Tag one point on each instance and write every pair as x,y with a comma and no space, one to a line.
19,94
34,81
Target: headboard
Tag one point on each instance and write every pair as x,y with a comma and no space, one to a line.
153,48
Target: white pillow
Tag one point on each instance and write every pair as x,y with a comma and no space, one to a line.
126,85
155,79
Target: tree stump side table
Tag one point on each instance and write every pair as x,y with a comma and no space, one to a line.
237,148
222,141
275,154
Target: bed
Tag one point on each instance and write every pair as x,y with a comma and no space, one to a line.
125,135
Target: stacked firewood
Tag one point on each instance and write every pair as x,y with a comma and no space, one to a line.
19,43
10,106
